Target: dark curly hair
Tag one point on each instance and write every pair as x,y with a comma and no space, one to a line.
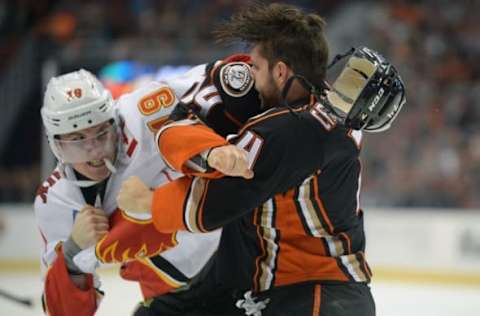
284,33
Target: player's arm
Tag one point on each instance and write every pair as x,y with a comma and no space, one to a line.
189,155
223,100
131,237
67,293
134,242
280,158
67,290
199,205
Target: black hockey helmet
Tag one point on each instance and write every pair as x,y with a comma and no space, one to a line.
369,93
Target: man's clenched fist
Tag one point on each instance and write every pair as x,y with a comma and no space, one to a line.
91,224
231,161
134,196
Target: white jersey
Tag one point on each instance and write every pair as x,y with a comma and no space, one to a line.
141,113
185,82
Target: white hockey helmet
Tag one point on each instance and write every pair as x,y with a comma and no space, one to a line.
73,102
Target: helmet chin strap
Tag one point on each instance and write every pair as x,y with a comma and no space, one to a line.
84,183
70,176
286,89
307,85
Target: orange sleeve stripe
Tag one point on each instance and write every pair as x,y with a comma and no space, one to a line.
321,206
232,118
258,260
365,264
266,116
349,243
167,205
178,144
317,300
200,211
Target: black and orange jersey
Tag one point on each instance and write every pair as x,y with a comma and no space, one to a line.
222,97
297,220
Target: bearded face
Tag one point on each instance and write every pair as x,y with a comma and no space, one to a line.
265,84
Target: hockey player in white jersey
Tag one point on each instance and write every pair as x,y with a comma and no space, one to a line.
98,144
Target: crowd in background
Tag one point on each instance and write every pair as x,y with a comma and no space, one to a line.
430,158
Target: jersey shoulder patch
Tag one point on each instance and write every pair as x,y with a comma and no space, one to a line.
236,79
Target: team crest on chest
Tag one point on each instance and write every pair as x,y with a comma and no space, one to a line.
236,79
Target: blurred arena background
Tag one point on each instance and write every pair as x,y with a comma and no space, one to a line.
420,181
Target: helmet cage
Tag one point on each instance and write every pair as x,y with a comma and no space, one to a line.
99,146
369,93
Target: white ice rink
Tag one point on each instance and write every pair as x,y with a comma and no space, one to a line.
392,298
406,247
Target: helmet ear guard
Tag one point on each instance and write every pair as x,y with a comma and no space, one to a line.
368,94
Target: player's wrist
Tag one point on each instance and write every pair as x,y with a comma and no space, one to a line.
70,250
205,155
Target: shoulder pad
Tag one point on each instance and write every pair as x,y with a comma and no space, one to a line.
236,79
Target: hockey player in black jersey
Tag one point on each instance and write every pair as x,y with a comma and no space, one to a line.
293,241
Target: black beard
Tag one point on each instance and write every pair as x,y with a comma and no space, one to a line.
268,102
